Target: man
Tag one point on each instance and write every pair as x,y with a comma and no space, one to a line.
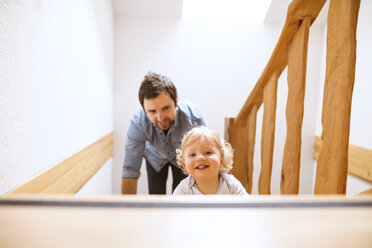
155,132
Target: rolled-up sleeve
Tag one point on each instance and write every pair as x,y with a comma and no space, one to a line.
134,151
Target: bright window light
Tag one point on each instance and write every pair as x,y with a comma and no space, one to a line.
227,11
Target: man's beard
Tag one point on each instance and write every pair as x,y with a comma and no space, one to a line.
165,124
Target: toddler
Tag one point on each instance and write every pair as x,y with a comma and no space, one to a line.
206,159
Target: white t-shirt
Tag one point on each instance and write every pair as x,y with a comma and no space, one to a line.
229,185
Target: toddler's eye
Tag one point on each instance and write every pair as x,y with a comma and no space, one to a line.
208,153
191,155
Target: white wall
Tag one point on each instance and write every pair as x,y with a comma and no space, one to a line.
215,66
55,84
361,112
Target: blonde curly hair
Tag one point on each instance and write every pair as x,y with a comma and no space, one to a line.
225,149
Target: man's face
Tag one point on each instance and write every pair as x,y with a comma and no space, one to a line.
161,110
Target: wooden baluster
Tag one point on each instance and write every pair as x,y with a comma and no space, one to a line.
237,137
251,126
297,57
331,174
278,60
268,133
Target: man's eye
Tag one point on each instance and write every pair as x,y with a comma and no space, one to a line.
166,108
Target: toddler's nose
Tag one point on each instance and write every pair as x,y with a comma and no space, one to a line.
200,157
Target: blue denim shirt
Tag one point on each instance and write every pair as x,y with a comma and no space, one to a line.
146,140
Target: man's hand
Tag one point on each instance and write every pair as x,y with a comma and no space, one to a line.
129,186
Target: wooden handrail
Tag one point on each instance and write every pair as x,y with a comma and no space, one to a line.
297,11
367,192
359,159
68,176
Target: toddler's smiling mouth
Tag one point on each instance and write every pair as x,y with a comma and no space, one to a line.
201,167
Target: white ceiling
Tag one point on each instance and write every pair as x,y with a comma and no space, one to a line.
148,8
173,9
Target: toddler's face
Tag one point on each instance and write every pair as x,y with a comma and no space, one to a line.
202,160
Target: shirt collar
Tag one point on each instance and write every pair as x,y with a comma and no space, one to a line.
177,119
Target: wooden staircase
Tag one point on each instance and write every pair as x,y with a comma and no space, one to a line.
291,52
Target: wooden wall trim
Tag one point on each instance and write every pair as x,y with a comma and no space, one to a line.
68,176
367,192
359,161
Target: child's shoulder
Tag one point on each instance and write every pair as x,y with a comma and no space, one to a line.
184,187
234,185
229,177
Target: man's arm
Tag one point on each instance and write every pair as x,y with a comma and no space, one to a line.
129,186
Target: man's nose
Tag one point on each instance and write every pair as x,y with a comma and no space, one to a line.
160,116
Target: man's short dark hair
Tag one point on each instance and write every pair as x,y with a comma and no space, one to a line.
153,84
